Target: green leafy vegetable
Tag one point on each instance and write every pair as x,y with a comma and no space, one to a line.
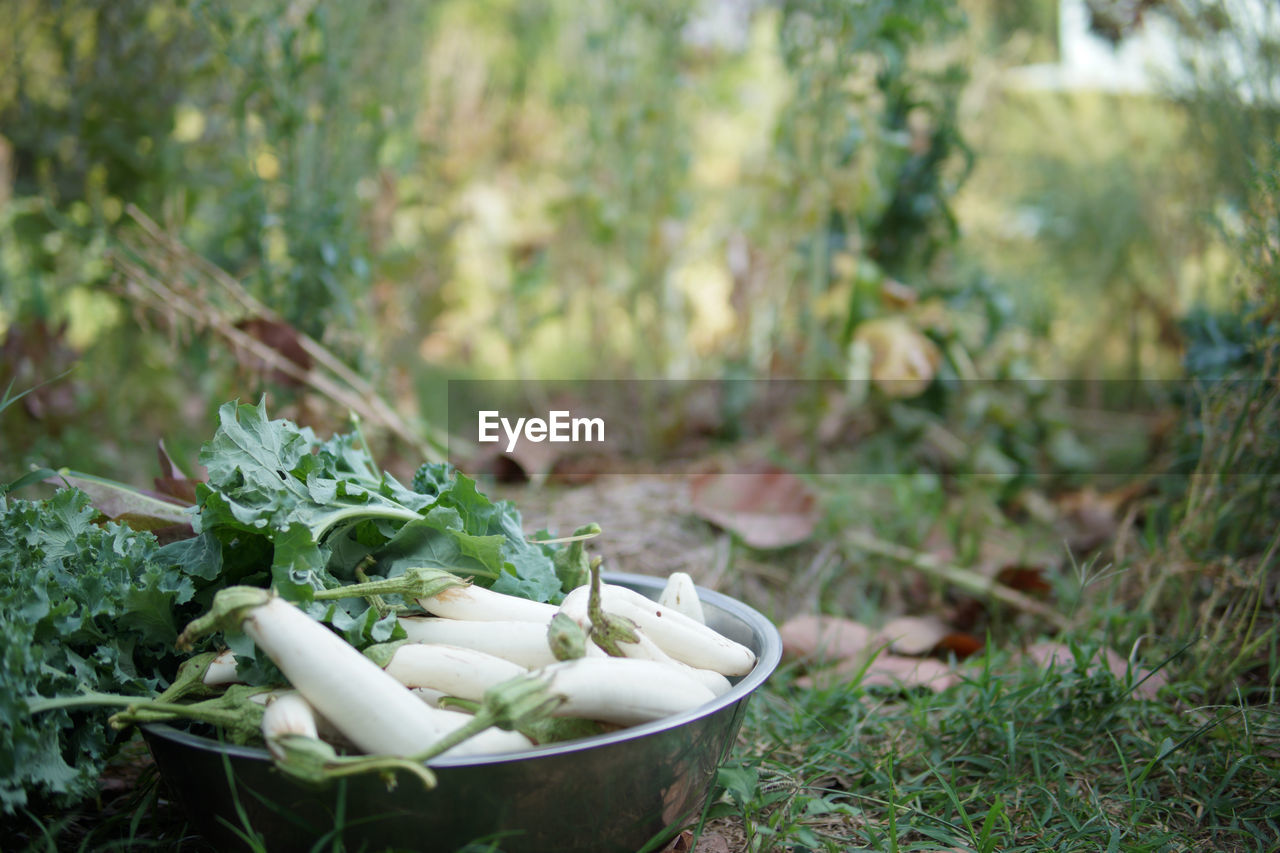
324,509
90,607
83,607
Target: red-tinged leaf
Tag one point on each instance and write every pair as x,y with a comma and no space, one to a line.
1028,579
811,637
173,482
765,506
138,508
183,490
168,469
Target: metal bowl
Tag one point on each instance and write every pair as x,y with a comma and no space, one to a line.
626,791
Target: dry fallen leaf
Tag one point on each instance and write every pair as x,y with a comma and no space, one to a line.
709,842
766,506
846,646
1028,579
886,670
1050,654
903,359
812,637
279,336
958,643
1089,518
912,635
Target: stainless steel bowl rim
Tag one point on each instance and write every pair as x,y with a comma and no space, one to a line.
766,662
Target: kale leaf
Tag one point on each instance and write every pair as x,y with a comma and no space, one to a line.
82,607
87,605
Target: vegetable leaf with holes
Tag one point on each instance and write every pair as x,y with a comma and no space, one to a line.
330,515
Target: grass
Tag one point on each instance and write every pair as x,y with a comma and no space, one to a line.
1015,758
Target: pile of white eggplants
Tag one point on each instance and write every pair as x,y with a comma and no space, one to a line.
480,673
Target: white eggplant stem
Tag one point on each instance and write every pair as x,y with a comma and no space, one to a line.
679,636
575,607
490,741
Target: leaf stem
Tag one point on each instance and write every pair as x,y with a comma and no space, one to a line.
967,580
416,582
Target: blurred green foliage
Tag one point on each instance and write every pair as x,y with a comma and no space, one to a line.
648,188
247,127
255,132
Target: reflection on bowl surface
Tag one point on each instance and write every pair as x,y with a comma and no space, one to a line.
614,792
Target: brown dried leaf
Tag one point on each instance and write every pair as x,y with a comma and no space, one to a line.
766,506
709,842
1028,579
279,336
903,359
527,462
912,635
958,643
1049,654
887,670
810,637
1089,518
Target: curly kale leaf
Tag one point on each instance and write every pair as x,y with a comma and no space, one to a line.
82,607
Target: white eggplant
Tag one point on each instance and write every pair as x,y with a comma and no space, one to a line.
683,638
453,670
624,691
680,636
575,607
370,708
222,670
484,605
520,642
681,594
647,649
287,713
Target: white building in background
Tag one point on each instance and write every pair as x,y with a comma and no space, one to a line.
1153,58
